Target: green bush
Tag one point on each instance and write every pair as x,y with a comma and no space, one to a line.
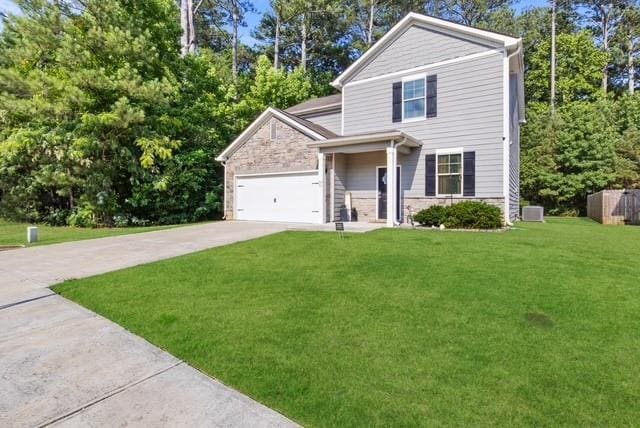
463,215
473,215
83,216
432,216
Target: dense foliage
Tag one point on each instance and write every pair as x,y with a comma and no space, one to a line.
103,121
461,215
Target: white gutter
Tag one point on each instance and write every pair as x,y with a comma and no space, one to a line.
507,138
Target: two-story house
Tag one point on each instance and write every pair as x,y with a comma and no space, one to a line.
430,114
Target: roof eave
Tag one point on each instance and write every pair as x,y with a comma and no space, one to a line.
366,138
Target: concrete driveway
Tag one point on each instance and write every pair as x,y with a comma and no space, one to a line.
61,364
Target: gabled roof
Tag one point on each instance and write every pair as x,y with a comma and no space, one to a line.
312,130
317,105
511,44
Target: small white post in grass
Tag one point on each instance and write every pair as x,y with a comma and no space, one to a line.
32,234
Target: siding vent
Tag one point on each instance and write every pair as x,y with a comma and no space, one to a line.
274,130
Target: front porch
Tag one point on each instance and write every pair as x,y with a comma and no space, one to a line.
354,175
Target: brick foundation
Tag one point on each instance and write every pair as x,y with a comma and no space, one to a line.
366,207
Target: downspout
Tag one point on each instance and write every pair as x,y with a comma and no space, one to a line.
508,221
517,51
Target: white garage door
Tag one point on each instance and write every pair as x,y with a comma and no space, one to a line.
292,197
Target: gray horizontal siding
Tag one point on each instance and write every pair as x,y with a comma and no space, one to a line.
331,121
361,173
415,47
470,115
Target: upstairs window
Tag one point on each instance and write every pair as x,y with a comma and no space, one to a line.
450,174
413,99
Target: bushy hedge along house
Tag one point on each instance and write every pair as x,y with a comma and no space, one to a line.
429,115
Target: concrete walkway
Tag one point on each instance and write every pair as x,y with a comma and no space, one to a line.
61,364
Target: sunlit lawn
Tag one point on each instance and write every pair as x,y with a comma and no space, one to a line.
12,233
538,326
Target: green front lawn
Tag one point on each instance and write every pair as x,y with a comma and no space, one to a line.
12,233
536,326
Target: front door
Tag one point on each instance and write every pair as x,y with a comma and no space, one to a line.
382,193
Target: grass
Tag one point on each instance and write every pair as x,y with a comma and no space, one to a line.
15,234
536,326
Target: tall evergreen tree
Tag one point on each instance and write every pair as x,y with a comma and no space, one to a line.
92,107
626,46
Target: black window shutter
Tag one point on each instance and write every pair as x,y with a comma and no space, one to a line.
432,95
397,102
430,179
469,174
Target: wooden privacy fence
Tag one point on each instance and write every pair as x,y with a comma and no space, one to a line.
615,207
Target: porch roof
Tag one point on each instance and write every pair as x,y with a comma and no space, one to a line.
366,140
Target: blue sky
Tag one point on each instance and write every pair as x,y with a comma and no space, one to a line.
262,5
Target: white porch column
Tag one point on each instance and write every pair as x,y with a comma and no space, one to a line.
323,187
391,185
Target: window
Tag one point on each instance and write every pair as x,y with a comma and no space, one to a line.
413,98
450,174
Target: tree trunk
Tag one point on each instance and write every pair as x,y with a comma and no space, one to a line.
234,41
184,24
631,68
276,43
605,46
553,55
303,42
192,28
372,10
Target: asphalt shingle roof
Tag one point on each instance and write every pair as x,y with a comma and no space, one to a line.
310,125
316,104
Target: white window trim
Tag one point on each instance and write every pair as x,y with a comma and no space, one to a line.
421,76
455,151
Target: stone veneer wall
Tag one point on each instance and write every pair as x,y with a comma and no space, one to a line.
365,207
260,154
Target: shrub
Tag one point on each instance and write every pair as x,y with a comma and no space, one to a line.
121,220
432,216
83,216
473,215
